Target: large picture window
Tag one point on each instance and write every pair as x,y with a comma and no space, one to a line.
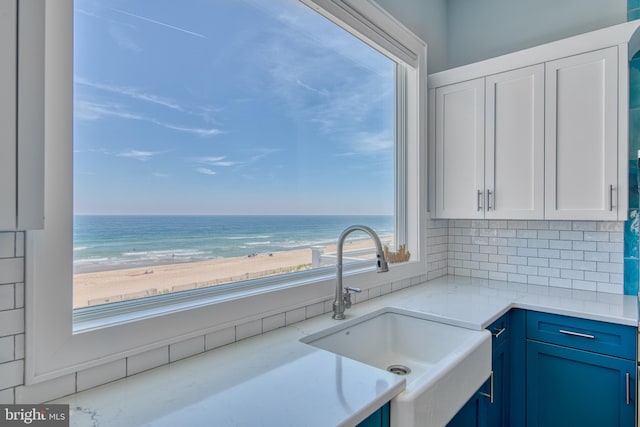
223,141
175,139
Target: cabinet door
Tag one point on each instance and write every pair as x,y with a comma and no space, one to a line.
380,418
569,387
581,114
459,144
8,54
496,413
514,144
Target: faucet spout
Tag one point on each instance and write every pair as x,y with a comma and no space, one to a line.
343,296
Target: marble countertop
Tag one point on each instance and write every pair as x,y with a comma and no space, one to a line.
274,379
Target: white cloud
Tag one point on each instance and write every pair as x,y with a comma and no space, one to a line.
130,92
143,156
163,24
206,171
217,161
123,40
203,132
87,110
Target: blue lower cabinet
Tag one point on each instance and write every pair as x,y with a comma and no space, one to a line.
380,418
570,387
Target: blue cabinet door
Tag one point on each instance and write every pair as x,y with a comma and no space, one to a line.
496,413
569,387
380,418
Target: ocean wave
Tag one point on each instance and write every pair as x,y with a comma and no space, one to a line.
80,248
247,237
165,253
257,243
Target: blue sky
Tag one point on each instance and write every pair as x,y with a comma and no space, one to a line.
227,107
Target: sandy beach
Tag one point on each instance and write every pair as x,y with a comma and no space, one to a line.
116,285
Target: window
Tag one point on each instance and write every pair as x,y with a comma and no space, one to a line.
221,142
59,344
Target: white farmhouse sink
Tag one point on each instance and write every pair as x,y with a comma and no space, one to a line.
447,363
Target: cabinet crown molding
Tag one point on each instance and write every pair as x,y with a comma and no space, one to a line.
626,34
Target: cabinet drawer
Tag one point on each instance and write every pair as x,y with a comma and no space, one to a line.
590,335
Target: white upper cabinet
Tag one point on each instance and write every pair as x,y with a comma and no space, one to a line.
490,146
554,126
514,144
8,147
459,150
582,136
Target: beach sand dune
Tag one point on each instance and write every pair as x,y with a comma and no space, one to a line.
116,285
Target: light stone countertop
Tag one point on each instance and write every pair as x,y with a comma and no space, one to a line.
275,380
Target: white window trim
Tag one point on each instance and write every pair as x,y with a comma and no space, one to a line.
52,347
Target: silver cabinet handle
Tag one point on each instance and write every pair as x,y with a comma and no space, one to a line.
611,197
480,200
489,200
490,395
577,334
496,333
627,378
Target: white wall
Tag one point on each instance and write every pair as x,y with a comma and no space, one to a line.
481,29
428,20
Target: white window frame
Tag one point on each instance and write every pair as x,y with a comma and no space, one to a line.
53,347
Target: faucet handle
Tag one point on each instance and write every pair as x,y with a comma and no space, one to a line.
347,295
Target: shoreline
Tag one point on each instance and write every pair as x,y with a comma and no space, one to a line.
105,286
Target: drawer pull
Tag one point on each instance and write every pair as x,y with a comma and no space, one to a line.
628,389
497,332
490,394
577,334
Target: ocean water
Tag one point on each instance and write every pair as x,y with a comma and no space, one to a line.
108,242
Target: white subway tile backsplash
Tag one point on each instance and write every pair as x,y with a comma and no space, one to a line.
147,360
19,346
295,316
583,255
220,338
20,244
11,373
48,390
7,245
580,245
102,374
19,295
317,309
549,234
6,397
7,297
584,265
560,244
250,329
596,236
584,226
187,348
11,270
596,256
7,349
560,263
560,225
11,322
274,322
